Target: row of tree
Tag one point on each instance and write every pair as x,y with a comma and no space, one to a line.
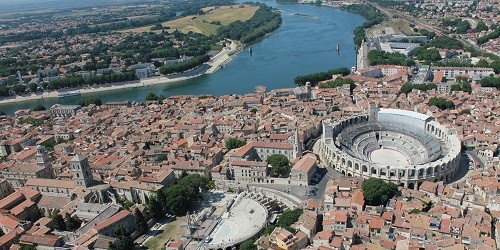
314,78
73,81
492,35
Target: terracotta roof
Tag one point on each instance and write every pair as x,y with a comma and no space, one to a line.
305,163
260,144
112,220
376,223
43,240
39,182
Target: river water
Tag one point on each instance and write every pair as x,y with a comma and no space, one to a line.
304,44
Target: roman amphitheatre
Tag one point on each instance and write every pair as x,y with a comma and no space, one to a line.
207,23
400,146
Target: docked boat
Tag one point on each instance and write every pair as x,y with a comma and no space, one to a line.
68,94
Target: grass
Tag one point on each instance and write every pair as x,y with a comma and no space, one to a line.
402,26
169,231
397,26
202,23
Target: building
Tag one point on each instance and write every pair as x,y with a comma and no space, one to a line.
303,170
20,204
17,173
452,72
122,219
286,240
143,73
5,188
398,47
59,110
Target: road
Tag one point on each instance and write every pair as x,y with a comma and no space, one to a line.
472,155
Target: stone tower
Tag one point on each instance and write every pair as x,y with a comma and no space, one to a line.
82,176
373,112
42,158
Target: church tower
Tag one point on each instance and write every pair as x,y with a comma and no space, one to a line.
82,176
297,144
42,158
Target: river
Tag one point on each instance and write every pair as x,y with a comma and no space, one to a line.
304,44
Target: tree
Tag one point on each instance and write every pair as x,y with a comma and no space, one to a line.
140,222
39,107
232,143
408,87
378,192
125,241
248,245
496,66
430,55
151,97
34,215
182,196
314,78
32,87
287,218
463,84
268,230
155,208
441,103
93,100
482,64
58,222
19,89
376,57
280,164
481,26
72,223
27,247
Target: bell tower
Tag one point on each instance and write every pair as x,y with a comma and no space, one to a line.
82,176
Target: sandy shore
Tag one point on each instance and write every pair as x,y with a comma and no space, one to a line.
216,62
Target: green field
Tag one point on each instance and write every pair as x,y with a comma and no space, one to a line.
202,23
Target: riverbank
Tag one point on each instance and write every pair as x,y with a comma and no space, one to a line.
215,63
